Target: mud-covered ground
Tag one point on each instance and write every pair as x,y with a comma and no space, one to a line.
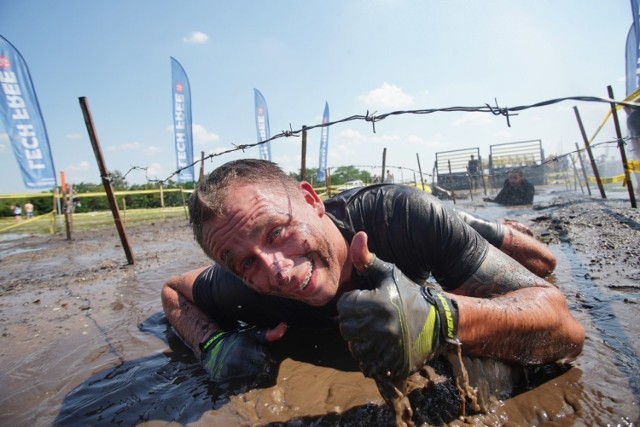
83,340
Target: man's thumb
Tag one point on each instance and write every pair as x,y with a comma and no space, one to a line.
360,255
276,333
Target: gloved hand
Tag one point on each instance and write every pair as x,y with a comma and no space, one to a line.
396,327
237,356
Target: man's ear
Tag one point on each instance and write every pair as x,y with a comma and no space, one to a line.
311,197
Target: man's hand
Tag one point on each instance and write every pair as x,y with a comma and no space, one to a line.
518,226
397,326
240,356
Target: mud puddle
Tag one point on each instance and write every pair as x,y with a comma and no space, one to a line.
84,341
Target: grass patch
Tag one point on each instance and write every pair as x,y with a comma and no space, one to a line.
50,224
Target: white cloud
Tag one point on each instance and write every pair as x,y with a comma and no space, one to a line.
196,37
135,146
83,166
154,170
476,119
503,136
202,136
351,136
386,96
420,142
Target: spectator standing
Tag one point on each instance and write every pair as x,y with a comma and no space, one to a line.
28,209
17,213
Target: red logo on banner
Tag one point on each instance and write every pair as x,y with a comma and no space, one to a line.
4,62
179,87
260,111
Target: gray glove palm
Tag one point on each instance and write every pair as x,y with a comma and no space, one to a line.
397,326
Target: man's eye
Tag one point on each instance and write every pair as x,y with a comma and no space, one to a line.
248,263
275,233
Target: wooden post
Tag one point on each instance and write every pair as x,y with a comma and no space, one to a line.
420,171
584,171
184,205
433,176
67,212
161,196
484,184
201,178
106,182
576,176
303,155
453,191
623,154
124,209
56,210
384,164
592,160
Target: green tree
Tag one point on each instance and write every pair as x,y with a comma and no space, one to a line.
343,174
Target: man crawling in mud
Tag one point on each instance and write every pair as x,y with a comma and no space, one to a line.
359,262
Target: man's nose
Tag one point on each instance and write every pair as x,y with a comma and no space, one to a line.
278,267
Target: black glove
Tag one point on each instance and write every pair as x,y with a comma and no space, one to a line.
397,326
237,356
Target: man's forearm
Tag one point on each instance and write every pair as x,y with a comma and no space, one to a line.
528,251
508,313
529,326
192,325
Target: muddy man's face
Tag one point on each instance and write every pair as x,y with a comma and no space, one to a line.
276,243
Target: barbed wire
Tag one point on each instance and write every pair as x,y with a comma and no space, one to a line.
373,118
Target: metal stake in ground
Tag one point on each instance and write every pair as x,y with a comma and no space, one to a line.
104,174
623,154
594,167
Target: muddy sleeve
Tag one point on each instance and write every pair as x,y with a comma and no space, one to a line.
418,233
492,231
455,248
213,290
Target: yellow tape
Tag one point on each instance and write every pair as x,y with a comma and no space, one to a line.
617,178
25,222
633,165
94,194
631,98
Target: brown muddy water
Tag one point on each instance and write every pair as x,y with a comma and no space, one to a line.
84,341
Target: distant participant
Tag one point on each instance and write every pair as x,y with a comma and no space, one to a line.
515,191
473,169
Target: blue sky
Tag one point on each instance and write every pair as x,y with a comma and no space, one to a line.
376,55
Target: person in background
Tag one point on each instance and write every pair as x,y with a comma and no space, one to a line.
17,212
515,191
28,209
358,263
473,170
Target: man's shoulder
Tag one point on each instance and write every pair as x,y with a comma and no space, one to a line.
384,190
